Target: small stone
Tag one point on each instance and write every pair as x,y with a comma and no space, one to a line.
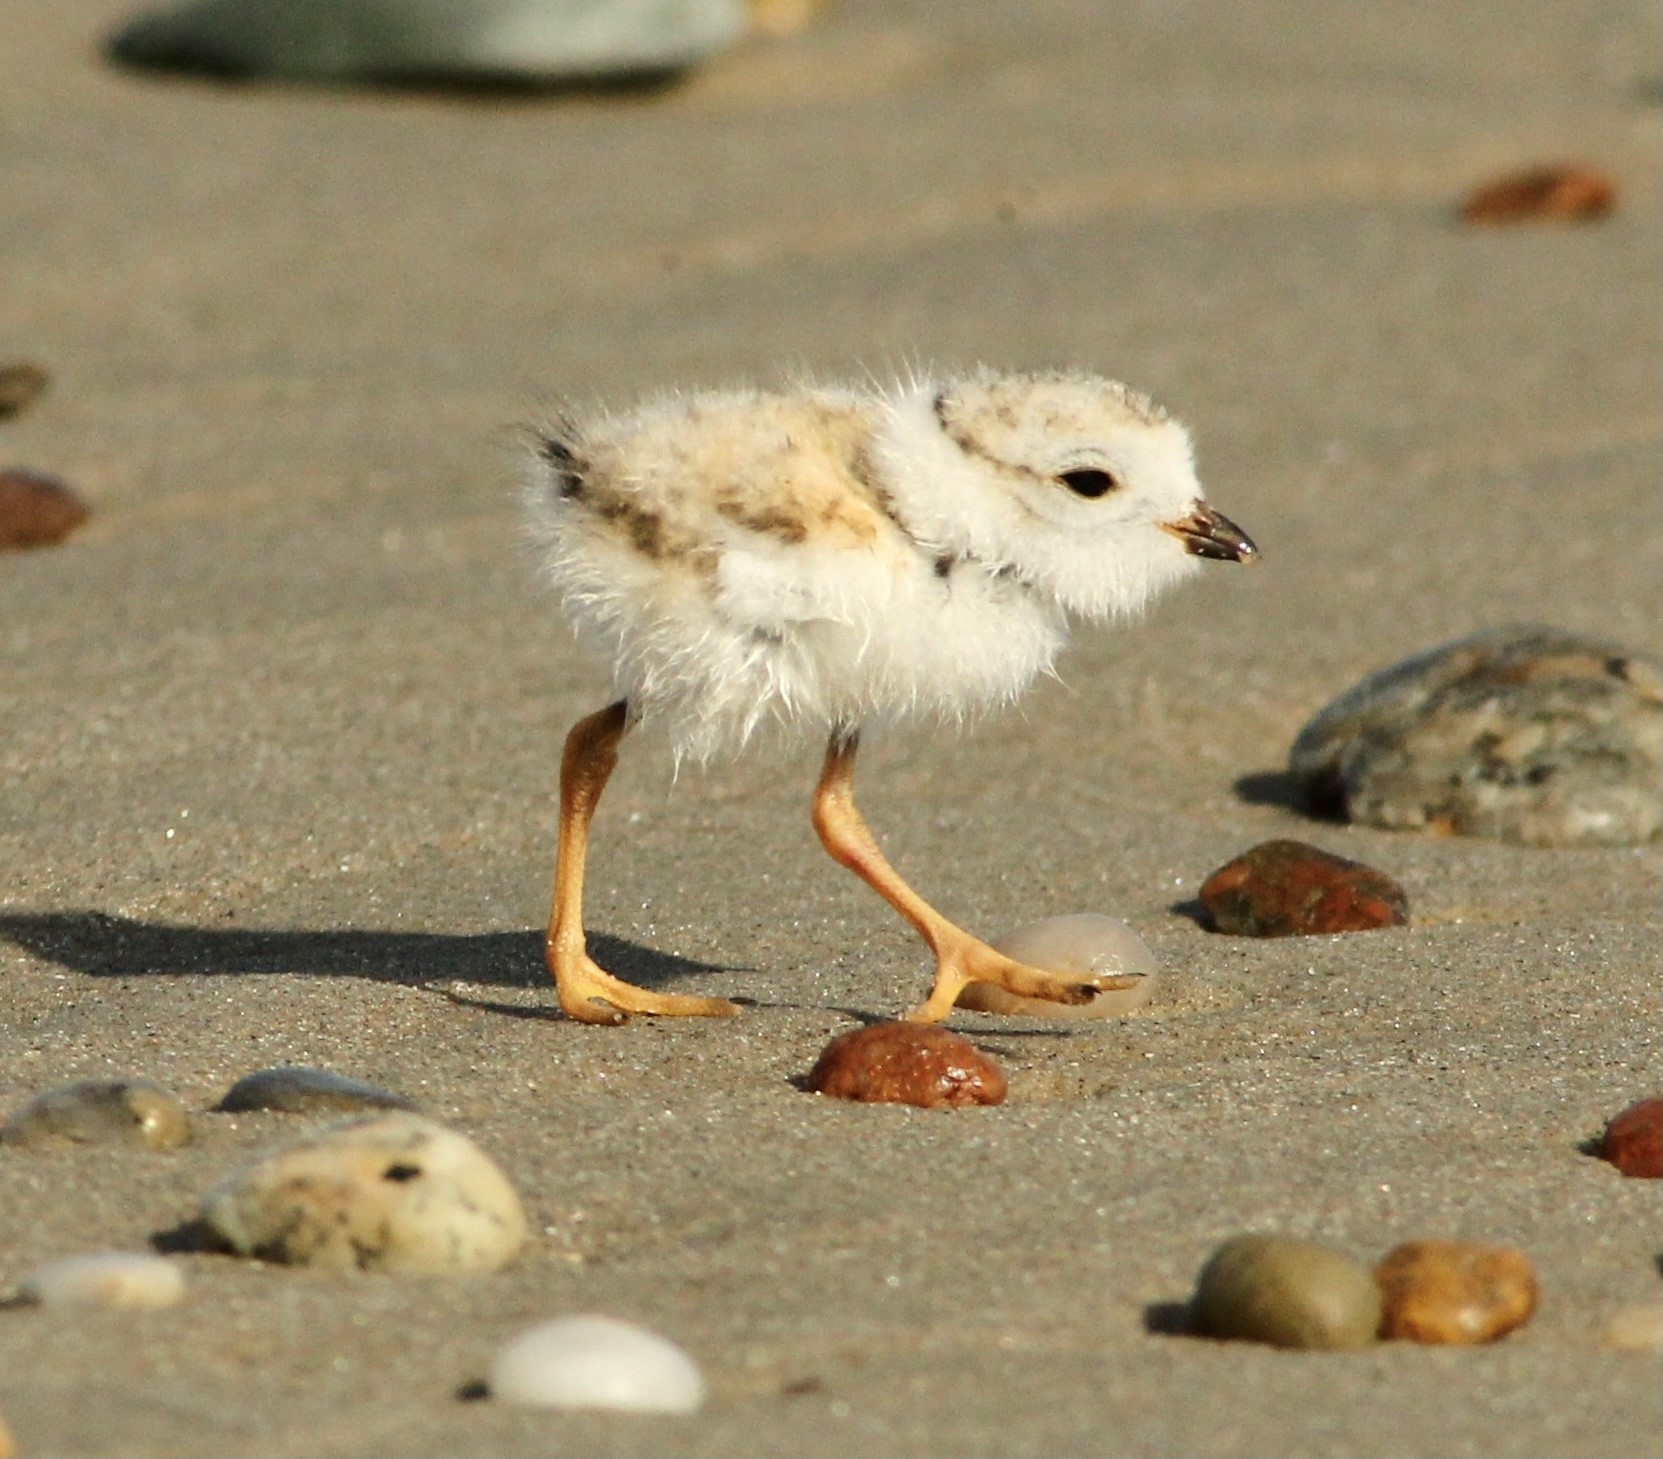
527,41
1633,1140
113,1279
1286,1292
1289,889
1637,1329
391,1192
1522,734
295,1089
36,510
597,1362
1557,193
21,384
1079,944
1454,1292
101,1112
8,1445
907,1063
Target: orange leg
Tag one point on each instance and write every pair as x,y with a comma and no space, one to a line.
960,958
590,757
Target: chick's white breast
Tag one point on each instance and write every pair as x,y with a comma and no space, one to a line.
741,558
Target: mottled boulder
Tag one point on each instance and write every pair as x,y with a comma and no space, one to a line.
1522,734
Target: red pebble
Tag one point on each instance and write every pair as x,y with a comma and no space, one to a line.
1555,193
907,1063
36,510
1289,889
1634,1139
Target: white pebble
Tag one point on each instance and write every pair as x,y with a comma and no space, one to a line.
596,1362
115,1279
1078,944
391,1192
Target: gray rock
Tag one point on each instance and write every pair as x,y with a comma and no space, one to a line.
1523,734
1285,1292
295,1089
454,40
101,1112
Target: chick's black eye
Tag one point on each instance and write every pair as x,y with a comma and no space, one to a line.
1089,482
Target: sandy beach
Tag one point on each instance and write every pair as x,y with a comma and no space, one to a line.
280,728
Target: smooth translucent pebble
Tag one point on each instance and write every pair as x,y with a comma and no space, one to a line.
115,1279
596,1362
1078,944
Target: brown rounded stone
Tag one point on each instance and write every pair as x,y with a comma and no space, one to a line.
1289,889
1456,1292
1553,193
907,1063
1634,1139
36,510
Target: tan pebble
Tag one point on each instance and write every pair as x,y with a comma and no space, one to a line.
1286,1292
101,1112
1637,1329
597,1362
1454,1291
1078,944
391,1192
114,1279
8,1445
907,1063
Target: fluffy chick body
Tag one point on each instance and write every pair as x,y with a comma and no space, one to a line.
827,558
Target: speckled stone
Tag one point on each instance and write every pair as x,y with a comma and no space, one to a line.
391,1192
907,1063
1454,1292
296,1089
101,1112
596,1362
1285,1292
1290,889
431,40
119,1280
1521,734
1633,1140
1077,944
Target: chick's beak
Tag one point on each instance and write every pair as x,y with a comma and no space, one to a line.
1207,533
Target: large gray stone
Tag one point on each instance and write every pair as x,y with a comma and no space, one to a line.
456,40
1524,734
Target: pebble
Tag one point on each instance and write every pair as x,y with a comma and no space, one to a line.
36,510
1286,1292
8,1445
528,41
1290,889
1454,1292
113,1279
1554,193
597,1362
1633,1140
1522,734
101,1112
1077,944
907,1063
391,1192
1637,1329
295,1089
21,384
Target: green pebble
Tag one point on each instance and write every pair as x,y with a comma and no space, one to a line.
1286,1292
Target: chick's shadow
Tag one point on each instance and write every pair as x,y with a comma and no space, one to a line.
107,946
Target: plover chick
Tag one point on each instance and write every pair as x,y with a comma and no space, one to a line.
825,558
